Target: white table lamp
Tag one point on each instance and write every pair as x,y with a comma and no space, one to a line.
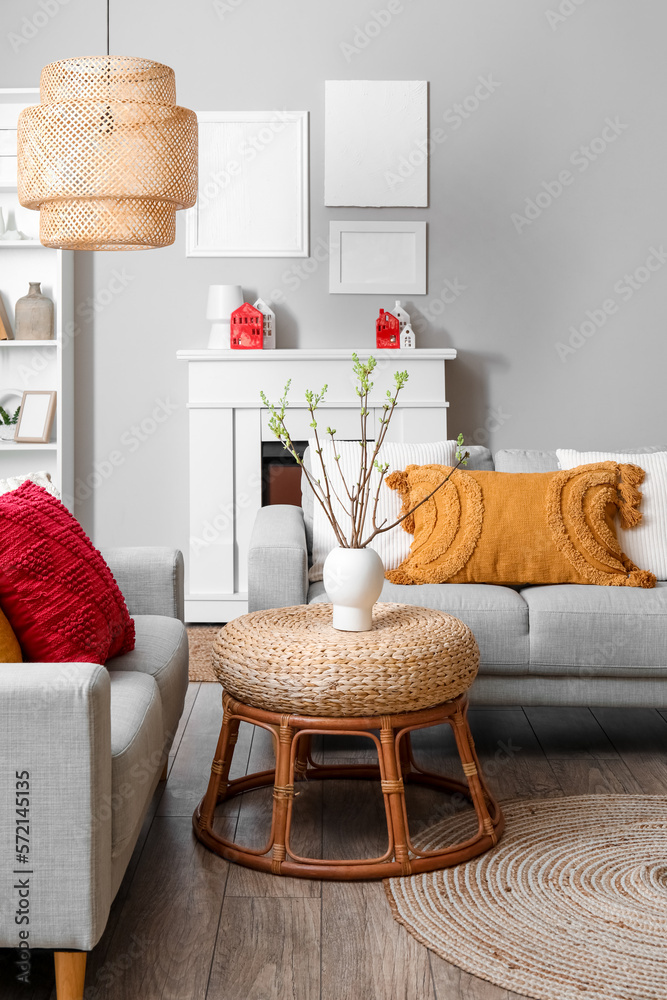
222,301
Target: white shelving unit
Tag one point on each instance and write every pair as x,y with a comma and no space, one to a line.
35,364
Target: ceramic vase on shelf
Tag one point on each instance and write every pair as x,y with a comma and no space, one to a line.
34,315
353,580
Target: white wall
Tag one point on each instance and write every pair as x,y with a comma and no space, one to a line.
554,86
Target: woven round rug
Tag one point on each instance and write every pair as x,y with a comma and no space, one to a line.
572,903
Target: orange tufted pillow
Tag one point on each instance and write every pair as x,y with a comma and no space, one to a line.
520,528
10,651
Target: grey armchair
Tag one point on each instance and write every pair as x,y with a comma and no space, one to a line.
82,748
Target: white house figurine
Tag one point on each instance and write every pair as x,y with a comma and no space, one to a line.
269,324
407,337
401,315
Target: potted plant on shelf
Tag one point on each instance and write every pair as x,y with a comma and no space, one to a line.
8,423
353,572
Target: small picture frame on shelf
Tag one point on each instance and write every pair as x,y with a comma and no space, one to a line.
38,408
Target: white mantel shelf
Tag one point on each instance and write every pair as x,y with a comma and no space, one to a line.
229,426
332,354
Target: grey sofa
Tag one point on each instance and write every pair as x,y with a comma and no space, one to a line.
94,742
545,645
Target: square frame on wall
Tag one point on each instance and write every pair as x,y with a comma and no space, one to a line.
377,258
253,185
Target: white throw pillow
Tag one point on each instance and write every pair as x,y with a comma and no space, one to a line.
392,546
645,544
41,478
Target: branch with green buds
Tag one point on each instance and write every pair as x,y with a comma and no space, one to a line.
358,498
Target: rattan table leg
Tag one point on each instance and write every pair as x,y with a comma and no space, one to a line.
283,791
218,782
392,786
466,749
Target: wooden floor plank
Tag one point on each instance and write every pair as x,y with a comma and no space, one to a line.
595,777
570,733
164,942
633,730
365,952
267,949
454,984
190,698
206,714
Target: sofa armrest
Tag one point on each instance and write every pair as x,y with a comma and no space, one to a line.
55,726
278,559
150,579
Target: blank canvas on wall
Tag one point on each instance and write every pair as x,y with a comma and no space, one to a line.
253,185
376,143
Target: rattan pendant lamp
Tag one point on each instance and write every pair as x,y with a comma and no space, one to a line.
107,157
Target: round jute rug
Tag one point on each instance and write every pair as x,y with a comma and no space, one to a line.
571,904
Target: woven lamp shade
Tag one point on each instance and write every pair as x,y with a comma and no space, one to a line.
107,156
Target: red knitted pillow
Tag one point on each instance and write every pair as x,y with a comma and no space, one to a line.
55,588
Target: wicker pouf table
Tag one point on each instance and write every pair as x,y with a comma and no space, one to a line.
289,671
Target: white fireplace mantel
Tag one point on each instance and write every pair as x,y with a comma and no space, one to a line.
228,425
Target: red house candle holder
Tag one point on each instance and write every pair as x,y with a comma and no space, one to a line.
246,329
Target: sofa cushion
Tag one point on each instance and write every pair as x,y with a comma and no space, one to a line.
520,460
597,631
136,751
518,528
498,616
523,460
161,650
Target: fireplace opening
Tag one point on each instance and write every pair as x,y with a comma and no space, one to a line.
281,476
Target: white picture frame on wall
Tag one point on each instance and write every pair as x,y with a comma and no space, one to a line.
253,185
377,258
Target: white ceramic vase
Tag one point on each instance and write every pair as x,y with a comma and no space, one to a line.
353,580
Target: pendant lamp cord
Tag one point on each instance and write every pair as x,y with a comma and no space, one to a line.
108,2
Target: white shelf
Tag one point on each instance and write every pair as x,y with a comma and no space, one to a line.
331,354
20,446
21,244
36,364
28,343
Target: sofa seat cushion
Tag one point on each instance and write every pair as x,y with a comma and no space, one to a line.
161,650
498,617
584,631
136,752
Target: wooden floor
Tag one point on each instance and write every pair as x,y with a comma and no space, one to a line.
188,926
